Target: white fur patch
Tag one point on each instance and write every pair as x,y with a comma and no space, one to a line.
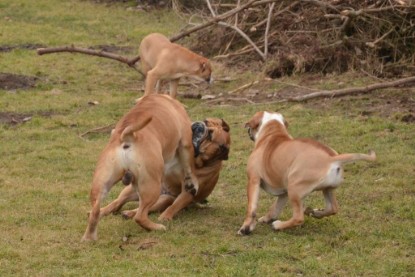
126,156
334,175
267,117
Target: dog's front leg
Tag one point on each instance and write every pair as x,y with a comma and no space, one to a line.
173,87
331,205
275,210
253,194
181,202
191,184
150,83
127,194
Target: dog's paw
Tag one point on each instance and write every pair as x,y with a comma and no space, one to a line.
277,225
265,220
316,213
164,217
159,227
244,231
190,187
128,214
89,237
309,211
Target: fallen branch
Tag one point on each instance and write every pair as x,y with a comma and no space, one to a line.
271,7
73,49
244,87
103,129
230,99
241,100
346,91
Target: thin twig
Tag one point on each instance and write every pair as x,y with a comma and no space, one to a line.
210,8
245,36
244,87
98,130
267,30
213,21
373,44
294,85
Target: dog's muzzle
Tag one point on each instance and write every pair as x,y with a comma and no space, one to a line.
223,152
199,132
209,80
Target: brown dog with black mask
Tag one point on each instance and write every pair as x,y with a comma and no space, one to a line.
211,141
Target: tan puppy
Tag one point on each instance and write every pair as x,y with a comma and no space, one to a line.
163,60
211,140
153,135
290,169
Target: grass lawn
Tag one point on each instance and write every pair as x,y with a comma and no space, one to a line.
46,166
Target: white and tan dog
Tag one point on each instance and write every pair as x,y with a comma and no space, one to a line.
164,60
290,169
155,133
211,140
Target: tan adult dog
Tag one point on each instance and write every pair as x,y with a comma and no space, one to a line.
153,135
290,169
211,140
164,60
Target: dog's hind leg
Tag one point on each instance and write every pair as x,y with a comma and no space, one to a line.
162,203
295,195
148,191
105,176
275,209
126,195
331,205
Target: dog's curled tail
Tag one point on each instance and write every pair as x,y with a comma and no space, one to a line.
137,125
349,158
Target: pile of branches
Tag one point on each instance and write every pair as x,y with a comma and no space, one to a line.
374,36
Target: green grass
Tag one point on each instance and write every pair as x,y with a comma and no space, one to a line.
46,168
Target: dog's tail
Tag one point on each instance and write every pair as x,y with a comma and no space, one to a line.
128,131
349,158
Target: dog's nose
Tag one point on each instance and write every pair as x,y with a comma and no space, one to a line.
209,80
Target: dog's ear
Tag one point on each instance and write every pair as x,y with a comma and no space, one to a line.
203,66
225,126
255,121
286,123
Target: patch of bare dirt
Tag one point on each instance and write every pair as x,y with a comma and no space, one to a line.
27,46
10,118
10,81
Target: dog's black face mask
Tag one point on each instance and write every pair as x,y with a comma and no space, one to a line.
199,131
